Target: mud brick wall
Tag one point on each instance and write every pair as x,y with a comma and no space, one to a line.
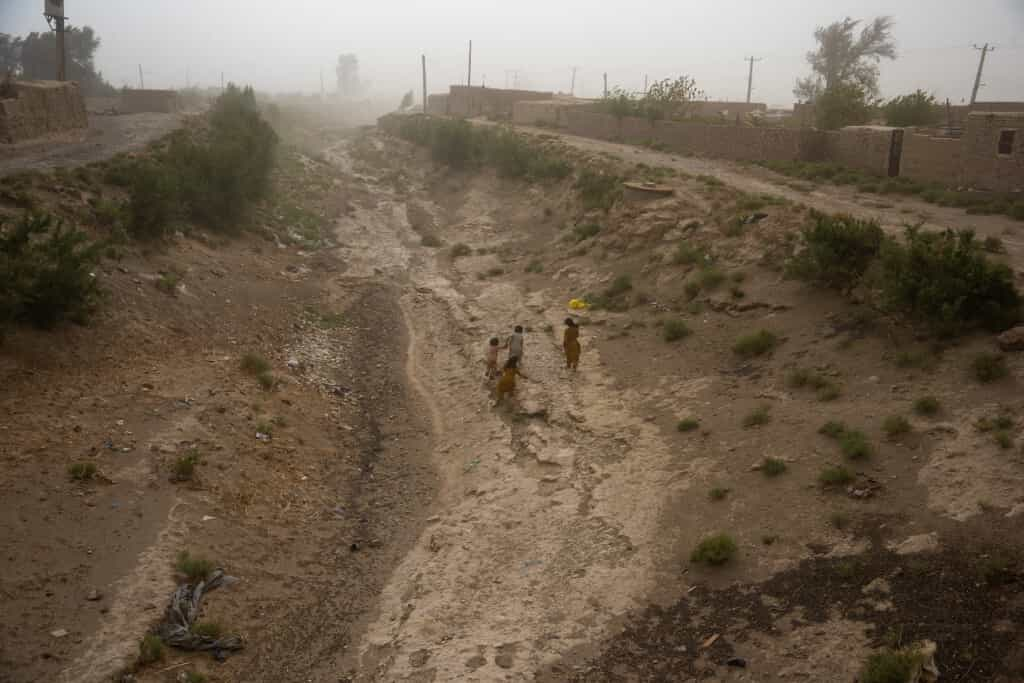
724,142
932,160
139,101
713,108
984,168
40,108
543,112
468,102
437,105
865,148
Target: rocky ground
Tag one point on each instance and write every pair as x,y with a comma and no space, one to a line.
397,526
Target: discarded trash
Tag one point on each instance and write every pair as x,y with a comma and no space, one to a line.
262,437
59,633
738,662
207,518
577,304
176,628
710,641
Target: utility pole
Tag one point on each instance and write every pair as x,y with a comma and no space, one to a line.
222,81
53,10
750,76
606,84
188,83
645,85
321,84
142,82
469,73
424,58
572,88
981,67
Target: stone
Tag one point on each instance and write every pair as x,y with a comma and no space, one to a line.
533,409
922,543
879,585
505,661
94,595
1012,339
59,633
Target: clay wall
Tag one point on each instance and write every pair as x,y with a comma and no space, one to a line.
469,102
40,108
544,112
437,105
932,159
865,148
984,167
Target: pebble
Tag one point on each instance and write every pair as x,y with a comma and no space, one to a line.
94,595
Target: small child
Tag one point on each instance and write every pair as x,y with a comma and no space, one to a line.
507,383
492,358
515,344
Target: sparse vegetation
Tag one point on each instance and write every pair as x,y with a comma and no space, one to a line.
773,467
928,406
718,493
852,442
459,250
825,389
151,649
714,550
989,367
195,677
675,329
835,475
769,539
688,255
82,471
208,629
598,190
839,520
837,251
895,426
687,424
167,283
760,416
253,364
585,231
1004,440
431,241
889,666
534,266
756,344
266,381
195,569
185,466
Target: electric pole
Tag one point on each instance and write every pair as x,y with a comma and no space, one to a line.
321,84
469,73
981,67
750,76
142,82
572,88
645,85
424,58
606,85
54,13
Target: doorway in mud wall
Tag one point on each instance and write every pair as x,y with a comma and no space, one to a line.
895,152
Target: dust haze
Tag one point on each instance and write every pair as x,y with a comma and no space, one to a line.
287,47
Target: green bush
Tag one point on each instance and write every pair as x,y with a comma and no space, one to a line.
208,629
854,444
945,280
835,475
756,344
687,424
895,426
832,429
889,666
184,467
714,550
195,569
927,405
152,195
598,190
718,493
619,286
151,649
916,109
82,471
837,251
674,330
254,364
687,255
773,467
585,231
989,367
758,418
46,272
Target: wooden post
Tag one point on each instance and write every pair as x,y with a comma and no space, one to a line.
424,57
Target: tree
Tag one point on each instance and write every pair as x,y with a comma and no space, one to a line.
407,101
347,71
842,60
845,104
39,59
665,99
10,54
916,109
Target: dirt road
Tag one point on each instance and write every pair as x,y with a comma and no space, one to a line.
105,137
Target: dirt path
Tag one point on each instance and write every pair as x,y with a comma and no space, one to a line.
893,212
105,137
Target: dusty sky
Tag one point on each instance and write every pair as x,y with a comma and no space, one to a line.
279,46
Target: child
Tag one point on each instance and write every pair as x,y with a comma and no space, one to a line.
507,383
492,358
515,345
571,344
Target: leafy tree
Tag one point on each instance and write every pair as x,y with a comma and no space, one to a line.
916,109
407,101
842,105
843,59
665,99
39,59
10,54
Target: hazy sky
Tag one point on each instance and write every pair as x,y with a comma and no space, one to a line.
282,45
